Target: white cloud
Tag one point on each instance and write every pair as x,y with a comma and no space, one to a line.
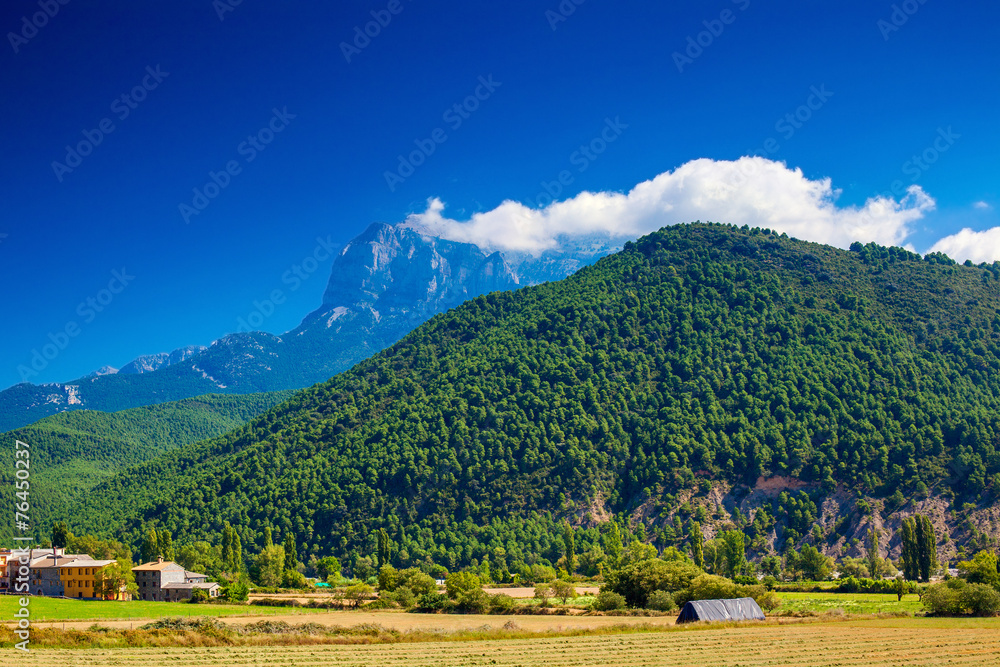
981,246
981,205
752,190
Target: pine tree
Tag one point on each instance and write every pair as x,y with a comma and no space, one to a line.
268,538
569,545
697,541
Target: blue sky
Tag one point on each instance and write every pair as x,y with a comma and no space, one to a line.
330,121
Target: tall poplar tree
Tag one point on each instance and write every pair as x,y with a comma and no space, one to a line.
697,540
569,547
911,560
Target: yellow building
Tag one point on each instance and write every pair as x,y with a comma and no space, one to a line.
77,578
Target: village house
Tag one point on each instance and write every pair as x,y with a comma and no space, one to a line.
52,572
166,581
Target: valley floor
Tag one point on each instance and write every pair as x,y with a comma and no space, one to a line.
878,642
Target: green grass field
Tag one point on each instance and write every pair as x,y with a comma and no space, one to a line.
851,603
56,609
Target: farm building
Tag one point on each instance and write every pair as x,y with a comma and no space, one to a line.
739,609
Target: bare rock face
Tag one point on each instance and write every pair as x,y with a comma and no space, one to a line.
383,284
392,269
152,362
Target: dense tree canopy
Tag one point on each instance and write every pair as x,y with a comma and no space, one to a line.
698,352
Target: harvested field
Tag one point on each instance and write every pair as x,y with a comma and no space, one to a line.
405,622
881,642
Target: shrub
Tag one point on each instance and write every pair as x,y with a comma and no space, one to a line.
461,582
637,580
434,602
661,601
563,590
415,580
294,579
707,587
402,596
980,599
198,595
502,604
956,596
608,601
237,591
473,601
387,578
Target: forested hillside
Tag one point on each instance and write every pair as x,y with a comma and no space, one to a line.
73,451
701,354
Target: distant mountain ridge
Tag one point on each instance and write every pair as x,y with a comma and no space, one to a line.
383,284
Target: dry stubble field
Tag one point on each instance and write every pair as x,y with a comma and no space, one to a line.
880,642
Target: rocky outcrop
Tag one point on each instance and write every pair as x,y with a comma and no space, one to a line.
154,362
383,284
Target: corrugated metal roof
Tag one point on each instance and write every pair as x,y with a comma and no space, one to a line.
738,609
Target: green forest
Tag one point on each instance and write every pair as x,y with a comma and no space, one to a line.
73,451
699,353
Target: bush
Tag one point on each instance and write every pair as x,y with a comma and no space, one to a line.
563,590
637,581
473,601
955,596
198,595
237,591
434,602
415,580
661,601
942,599
502,604
294,579
402,596
980,599
458,583
608,601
